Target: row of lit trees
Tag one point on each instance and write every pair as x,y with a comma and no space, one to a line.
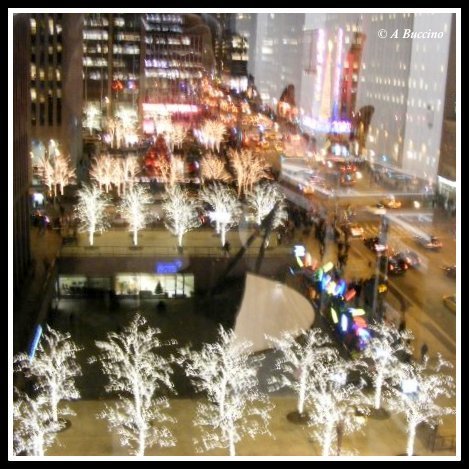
247,167
180,208
226,373
120,172
122,127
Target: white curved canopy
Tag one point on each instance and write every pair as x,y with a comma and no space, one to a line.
270,307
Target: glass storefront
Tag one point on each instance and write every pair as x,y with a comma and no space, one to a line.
79,285
154,285
146,285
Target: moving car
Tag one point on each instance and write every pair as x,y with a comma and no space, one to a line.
432,243
394,266
391,202
409,257
450,302
354,230
375,244
378,209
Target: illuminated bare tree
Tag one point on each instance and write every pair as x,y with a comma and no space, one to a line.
134,209
102,171
262,200
47,173
422,386
180,212
128,119
54,368
334,403
119,133
117,175
248,168
92,117
57,171
383,355
137,373
64,174
216,130
111,126
34,429
176,136
211,134
91,211
301,353
226,207
227,374
170,170
213,168
129,171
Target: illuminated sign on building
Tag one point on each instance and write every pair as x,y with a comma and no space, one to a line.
163,109
172,267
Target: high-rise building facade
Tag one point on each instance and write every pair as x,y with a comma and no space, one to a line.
404,79
278,54
172,58
111,59
55,88
137,60
246,28
447,167
393,88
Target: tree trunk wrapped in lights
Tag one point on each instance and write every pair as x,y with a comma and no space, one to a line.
137,373
227,374
91,211
180,212
53,368
134,210
226,207
421,387
301,352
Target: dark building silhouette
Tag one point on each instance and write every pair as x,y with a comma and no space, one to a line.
21,173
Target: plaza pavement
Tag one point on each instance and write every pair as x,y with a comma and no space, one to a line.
89,436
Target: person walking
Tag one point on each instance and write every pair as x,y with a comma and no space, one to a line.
423,353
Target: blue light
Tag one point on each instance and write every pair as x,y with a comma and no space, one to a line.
340,287
168,267
344,323
35,342
325,280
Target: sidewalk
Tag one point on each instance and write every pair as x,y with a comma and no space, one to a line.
89,436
